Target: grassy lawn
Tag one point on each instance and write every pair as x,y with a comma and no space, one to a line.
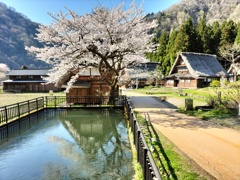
222,117
12,98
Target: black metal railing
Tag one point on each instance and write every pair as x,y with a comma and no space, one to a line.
10,113
144,156
83,101
15,111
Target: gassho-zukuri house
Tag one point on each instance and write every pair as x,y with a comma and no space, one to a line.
195,70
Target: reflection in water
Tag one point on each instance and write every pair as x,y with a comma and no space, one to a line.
76,144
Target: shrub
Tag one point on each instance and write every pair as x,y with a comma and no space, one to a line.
215,83
229,98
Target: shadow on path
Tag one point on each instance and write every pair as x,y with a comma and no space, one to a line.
153,134
149,102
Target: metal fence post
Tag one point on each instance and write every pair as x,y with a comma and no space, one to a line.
37,103
18,110
6,114
145,162
55,99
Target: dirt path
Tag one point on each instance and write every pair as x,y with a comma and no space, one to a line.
215,148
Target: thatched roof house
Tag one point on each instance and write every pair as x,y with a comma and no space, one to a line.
194,70
141,74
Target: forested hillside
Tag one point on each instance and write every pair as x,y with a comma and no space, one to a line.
16,32
215,10
202,26
191,25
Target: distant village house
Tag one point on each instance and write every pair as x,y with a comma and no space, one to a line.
195,70
28,80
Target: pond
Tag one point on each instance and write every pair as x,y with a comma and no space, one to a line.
70,144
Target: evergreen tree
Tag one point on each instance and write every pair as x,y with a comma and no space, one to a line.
171,53
215,36
228,33
163,41
186,38
237,39
203,36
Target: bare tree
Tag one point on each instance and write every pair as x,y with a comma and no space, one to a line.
231,54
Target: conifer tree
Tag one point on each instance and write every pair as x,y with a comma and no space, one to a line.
215,37
163,41
228,33
186,38
171,53
203,36
237,39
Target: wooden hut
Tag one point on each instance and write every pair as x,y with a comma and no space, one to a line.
194,70
88,85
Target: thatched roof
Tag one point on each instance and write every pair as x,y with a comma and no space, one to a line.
143,70
199,65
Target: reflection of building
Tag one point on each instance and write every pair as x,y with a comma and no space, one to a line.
234,72
194,70
90,124
98,144
27,80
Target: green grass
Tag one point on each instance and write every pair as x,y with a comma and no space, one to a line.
222,117
12,98
200,96
172,163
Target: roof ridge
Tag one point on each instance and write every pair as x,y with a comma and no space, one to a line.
196,53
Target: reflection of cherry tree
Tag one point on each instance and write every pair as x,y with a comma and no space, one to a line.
103,152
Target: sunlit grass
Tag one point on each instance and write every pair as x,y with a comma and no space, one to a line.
12,98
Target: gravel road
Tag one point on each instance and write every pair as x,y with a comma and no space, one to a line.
214,148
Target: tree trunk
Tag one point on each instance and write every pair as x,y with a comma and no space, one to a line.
114,93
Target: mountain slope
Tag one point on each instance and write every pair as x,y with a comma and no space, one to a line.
215,10
16,32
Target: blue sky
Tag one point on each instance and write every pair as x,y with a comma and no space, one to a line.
37,10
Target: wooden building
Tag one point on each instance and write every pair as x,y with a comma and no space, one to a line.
89,84
28,80
140,75
194,70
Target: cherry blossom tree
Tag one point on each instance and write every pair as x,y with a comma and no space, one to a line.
111,39
3,70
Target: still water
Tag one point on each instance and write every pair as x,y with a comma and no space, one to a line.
69,144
